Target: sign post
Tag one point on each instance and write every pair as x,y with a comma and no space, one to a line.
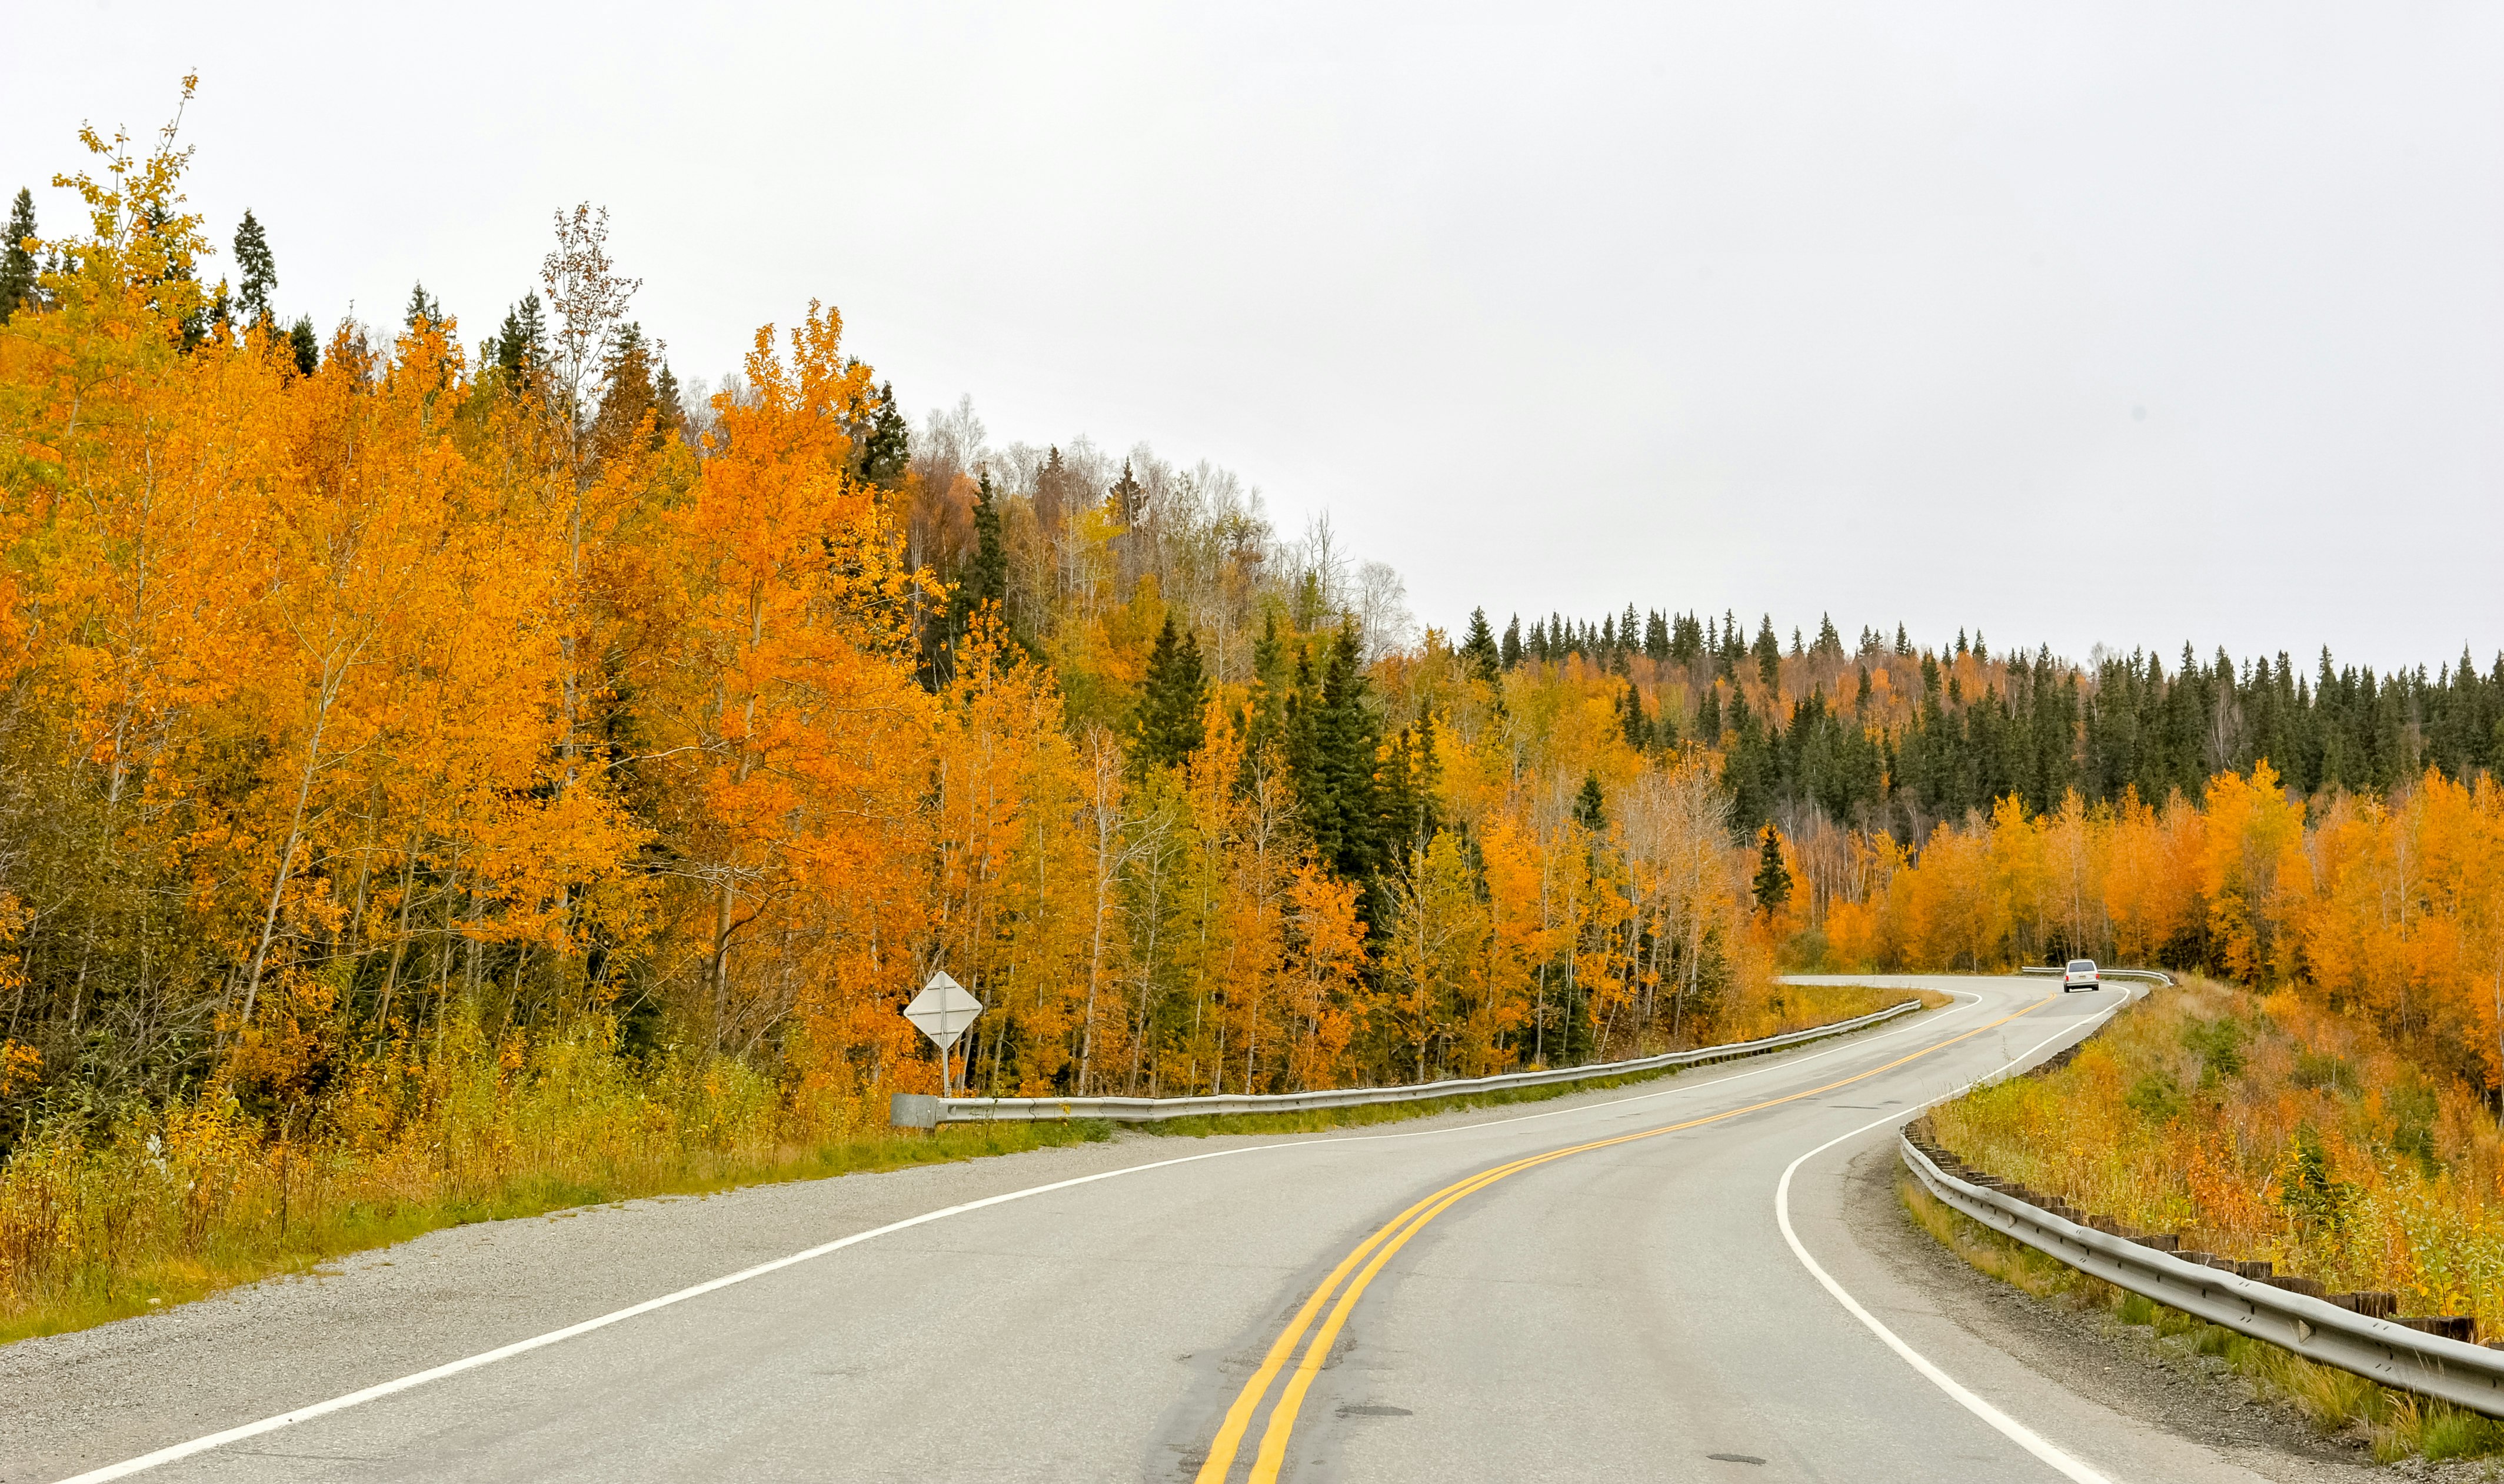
943,1010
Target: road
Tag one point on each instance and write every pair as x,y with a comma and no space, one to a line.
1597,1289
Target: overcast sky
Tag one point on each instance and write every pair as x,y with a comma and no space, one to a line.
2110,324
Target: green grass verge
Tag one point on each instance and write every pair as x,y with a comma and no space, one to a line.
2393,1424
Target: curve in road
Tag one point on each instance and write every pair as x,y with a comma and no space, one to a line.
1606,1289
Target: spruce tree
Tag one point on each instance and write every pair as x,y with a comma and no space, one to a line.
887,450
306,345
259,269
986,575
1773,883
1631,719
1479,653
1173,702
1657,636
422,306
1333,736
1708,716
1128,497
1590,805
1769,654
1513,642
1903,644
17,263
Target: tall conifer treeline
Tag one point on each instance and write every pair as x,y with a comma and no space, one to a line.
1884,737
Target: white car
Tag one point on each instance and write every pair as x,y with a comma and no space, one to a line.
2081,975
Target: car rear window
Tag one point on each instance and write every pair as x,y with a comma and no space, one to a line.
2081,964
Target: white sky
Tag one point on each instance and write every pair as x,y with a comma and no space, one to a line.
2110,323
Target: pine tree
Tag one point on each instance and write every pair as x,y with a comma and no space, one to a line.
1173,702
520,346
1590,805
1708,716
986,575
1903,644
259,269
1333,738
306,345
887,449
1479,653
1632,721
422,306
1657,636
16,262
1512,650
1128,497
1773,883
1769,654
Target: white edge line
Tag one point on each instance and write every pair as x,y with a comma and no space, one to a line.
2008,1426
375,1393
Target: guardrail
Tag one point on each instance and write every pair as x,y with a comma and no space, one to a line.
2379,1349
2151,975
920,1110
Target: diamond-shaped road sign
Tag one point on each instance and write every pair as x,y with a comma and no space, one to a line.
943,1010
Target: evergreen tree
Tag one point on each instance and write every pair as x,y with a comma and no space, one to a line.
669,408
1773,883
1513,642
888,448
17,263
1708,716
1769,654
259,269
986,575
1128,497
1333,736
1656,637
1479,655
306,345
1686,640
1590,805
422,306
1173,702
520,346
1903,644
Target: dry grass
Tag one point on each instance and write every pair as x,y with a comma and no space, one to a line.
2264,1127
2394,1425
107,1216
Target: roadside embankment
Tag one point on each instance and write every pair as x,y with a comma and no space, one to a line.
2267,1133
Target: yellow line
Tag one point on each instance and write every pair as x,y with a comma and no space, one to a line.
1394,1235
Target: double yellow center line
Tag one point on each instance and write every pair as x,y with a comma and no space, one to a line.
1368,1255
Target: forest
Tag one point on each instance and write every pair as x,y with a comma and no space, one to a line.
408,744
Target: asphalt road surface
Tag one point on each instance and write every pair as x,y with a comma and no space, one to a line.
1602,1287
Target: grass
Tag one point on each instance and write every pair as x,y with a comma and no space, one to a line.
2393,1425
110,1215
2264,1127
85,1295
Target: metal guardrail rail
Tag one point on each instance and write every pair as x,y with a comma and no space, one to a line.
920,1110
2453,1370
2148,976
